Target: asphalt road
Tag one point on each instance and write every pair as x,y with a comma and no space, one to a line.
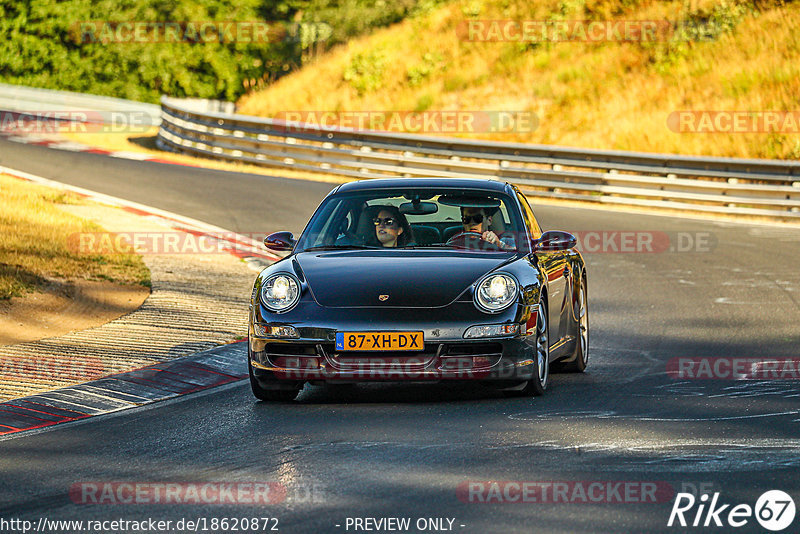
395,450
244,203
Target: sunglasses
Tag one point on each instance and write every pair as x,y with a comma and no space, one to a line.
467,219
388,221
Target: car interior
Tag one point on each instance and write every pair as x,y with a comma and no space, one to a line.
433,221
425,233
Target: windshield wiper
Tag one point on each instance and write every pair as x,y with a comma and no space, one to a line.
338,247
461,247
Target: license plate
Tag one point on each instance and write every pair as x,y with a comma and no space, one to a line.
377,341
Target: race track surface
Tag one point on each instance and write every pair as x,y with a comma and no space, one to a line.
408,450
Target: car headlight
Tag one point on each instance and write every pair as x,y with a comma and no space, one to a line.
496,292
280,292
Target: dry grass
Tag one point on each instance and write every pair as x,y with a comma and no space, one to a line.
610,95
33,242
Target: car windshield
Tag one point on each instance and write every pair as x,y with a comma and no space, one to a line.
418,218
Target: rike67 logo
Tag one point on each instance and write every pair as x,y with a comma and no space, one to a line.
774,510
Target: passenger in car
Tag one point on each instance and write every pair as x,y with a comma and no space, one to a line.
391,228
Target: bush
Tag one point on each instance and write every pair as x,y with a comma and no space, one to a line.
365,71
698,26
416,74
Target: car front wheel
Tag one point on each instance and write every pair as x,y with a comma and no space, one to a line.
537,384
270,395
580,358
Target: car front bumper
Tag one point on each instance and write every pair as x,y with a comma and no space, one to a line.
313,357
447,354
315,360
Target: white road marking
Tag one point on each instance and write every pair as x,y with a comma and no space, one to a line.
139,156
727,300
71,147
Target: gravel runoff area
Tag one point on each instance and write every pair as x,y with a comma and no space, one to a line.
198,301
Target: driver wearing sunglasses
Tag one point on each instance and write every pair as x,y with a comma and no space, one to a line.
476,220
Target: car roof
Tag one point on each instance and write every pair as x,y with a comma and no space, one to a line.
477,184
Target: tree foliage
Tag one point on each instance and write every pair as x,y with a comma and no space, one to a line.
44,44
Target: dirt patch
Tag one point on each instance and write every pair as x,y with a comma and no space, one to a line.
64,307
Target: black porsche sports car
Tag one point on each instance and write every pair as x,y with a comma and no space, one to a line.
420,279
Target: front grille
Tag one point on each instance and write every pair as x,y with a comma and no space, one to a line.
363,360
472,349
295,362
430,350
450,357
292,355
470,356
291,349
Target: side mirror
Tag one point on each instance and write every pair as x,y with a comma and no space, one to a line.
280,241
554,241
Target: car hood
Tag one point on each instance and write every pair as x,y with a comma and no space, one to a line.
410,278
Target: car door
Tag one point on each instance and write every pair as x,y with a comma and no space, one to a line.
554,265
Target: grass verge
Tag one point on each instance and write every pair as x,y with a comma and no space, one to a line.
34,247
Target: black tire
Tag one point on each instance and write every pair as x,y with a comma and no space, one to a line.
270,395
537,385
580,358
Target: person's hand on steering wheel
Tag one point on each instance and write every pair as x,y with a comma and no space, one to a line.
492,238
482,240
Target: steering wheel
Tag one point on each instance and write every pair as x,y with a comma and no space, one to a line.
471,239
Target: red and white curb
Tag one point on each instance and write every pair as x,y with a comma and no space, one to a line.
72,146
212,368
216,367
243,247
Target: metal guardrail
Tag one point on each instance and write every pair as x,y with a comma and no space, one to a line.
768,188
